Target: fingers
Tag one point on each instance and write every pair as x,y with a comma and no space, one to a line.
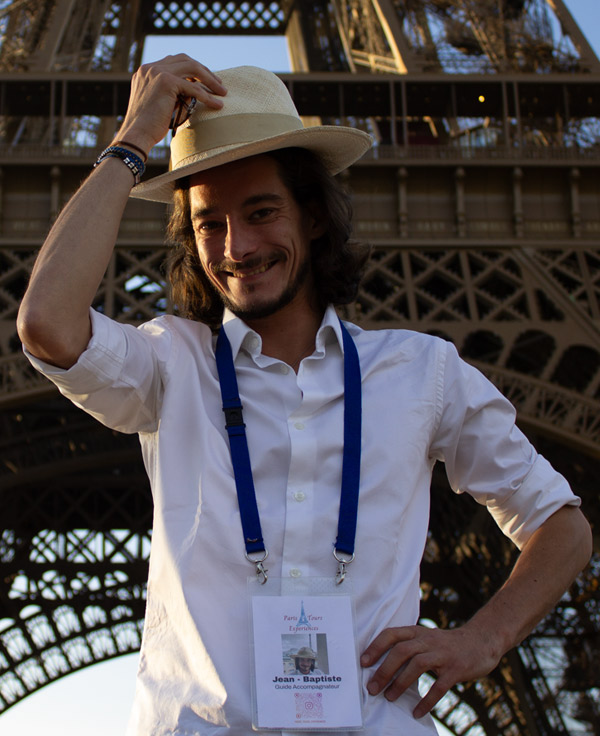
189,78
182,64
410,652
455,655
402,647
384,641
202,93
396,683
435,694
156,90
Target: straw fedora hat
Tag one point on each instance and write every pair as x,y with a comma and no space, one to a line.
257,116
305,653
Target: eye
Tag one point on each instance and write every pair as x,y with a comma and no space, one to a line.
262,213
208,226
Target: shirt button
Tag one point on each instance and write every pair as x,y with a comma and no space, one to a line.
299,496
284,369
295,573
299,425
253,342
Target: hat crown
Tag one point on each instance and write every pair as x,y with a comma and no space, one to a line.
306,653
250,90
257,106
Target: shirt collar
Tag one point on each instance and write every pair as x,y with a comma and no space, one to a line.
241,336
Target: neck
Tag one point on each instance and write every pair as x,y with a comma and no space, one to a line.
289,334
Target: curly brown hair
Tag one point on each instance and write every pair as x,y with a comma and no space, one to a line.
337,261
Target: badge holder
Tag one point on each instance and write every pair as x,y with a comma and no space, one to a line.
304,657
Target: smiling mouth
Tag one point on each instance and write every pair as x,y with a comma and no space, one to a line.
253,272
247,271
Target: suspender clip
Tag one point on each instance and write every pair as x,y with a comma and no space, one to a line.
343,559
261,570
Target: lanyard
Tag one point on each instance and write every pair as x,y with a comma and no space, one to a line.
256,551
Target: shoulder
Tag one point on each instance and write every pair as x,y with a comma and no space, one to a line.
173,328
169,339
398,346
174,325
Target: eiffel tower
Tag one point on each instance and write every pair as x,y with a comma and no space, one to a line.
481,200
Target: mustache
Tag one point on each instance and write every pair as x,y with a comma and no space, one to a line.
246,265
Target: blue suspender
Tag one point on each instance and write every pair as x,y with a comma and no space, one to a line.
240,457
236,429
352,445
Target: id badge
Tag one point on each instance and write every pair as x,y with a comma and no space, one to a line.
305,659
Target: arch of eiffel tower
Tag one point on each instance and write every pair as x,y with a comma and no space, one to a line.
481,198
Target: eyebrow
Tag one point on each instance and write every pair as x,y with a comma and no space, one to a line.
252,200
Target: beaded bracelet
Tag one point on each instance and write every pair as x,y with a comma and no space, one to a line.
129,146
134,163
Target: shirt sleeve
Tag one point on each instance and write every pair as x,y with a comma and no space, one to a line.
487,456
118,378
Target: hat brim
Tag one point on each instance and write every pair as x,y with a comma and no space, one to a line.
337,146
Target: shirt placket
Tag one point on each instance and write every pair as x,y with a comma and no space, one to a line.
300,493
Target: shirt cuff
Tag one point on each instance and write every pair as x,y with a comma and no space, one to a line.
542,493
99,365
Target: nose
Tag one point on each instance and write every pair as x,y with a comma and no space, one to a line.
240,240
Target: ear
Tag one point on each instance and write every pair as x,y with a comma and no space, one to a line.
318,220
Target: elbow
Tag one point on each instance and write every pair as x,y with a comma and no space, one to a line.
569,532
44,338
589,550
584,544
29,329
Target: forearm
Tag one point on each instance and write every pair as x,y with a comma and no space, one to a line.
53,320
547,565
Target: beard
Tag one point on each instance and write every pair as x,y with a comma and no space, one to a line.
270,307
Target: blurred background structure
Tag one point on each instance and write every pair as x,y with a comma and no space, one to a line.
481,197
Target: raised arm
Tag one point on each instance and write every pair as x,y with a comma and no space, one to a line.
547,565
53,321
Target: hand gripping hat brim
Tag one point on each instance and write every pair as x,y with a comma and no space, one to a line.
257,116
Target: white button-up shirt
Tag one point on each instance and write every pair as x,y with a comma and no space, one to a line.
421,403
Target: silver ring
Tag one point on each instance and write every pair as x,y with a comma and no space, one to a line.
347,561
265,554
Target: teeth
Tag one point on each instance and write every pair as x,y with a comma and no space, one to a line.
245,274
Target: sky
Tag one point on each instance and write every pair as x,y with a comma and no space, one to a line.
97,700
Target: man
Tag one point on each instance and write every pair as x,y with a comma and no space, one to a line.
257,226
304,660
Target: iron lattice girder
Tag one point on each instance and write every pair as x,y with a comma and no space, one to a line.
388,34
45,643
74,547
235,17
334,95
384,35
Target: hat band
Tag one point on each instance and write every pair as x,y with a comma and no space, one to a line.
231,130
